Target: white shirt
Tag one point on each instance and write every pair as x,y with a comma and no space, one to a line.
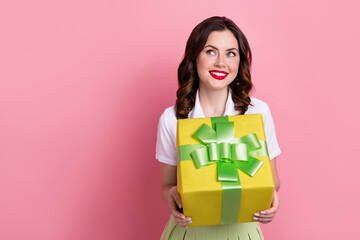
166,137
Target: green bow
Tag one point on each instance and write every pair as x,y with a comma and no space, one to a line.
229,153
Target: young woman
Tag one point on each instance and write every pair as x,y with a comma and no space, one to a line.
214,80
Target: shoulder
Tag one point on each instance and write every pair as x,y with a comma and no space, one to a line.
168,118
169,114
166,138
258,106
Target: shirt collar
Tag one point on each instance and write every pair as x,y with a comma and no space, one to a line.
197,111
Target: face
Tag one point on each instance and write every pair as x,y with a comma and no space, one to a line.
217,64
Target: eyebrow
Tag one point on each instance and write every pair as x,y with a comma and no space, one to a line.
218,49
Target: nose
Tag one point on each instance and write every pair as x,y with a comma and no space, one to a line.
219,61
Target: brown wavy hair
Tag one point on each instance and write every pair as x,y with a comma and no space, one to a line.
188,79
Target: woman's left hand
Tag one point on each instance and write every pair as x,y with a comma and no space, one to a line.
268,215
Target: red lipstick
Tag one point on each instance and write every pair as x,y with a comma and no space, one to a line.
219,75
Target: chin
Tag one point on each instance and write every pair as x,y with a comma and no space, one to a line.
219,87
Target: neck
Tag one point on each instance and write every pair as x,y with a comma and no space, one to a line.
213,102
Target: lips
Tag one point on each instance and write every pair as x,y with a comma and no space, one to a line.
219,75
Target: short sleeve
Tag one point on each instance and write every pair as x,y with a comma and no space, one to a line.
270,134
166,138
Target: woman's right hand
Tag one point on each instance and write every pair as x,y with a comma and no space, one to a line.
173,201
171,196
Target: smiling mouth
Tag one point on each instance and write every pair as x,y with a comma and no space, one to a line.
219,75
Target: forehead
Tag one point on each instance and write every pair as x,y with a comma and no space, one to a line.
222,39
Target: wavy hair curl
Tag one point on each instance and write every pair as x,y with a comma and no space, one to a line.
188,79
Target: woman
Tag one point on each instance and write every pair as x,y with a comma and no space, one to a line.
214,80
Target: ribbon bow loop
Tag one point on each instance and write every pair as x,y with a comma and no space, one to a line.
230,153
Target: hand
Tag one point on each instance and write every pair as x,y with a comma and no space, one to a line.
173,201
268,215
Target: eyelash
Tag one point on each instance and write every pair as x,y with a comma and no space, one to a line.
209,52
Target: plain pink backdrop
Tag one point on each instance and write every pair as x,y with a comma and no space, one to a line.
83,83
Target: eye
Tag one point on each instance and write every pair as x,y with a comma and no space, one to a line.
231,54
211,52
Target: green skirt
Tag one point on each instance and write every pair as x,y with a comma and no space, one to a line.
237,231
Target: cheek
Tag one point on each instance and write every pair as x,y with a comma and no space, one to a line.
234,65
203,62
200,68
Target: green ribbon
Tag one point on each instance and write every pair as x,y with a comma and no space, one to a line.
229,153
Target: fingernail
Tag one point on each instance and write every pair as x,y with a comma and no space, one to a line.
189,222
255,218
183,217
263,212
256,214
188,219
180,206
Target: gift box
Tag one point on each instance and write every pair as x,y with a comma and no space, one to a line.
224,173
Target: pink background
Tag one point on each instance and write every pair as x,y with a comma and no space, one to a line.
83,84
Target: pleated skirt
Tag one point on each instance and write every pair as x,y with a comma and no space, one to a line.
237,231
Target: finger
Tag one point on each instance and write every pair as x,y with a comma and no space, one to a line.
180,218
182,225
265,222
183,222
178,215
177,198
265,213
174,210
265,218
187,220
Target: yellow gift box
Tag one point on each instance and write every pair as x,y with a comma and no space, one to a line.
200,190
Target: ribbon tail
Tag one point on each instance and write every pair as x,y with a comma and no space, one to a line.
231,201
250,167
227,172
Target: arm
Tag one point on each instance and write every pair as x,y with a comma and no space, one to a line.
168,173
170,194
275,174
268,215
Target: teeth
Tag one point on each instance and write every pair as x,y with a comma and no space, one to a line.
219,74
